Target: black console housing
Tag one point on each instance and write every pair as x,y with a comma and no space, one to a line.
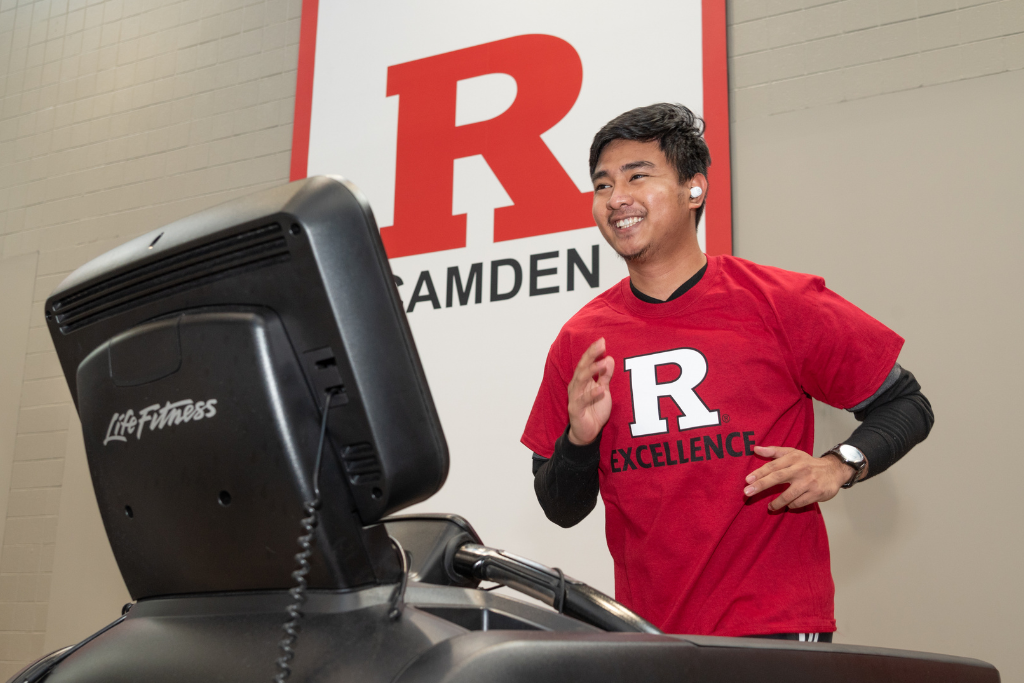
199,357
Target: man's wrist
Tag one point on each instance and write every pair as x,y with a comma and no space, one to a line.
844,472
851,463
578,455
576,441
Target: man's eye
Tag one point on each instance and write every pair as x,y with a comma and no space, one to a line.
602,186
637,175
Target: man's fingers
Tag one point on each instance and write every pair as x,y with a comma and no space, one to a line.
584,391
586,396
809,479
600,369
592,353
782,476
777,453
590,367
589,397
786,497
779,463
764,471
803,501
583,382
773,451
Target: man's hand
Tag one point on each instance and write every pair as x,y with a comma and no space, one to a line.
811,480
590,400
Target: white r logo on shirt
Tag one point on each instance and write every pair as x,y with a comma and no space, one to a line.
646,390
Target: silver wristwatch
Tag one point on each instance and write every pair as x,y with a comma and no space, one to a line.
852,456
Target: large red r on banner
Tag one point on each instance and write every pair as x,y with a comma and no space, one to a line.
548,75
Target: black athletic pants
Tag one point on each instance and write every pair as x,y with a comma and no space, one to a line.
802,637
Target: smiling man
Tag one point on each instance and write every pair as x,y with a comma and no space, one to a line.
683,396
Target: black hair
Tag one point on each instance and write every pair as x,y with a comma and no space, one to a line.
678,131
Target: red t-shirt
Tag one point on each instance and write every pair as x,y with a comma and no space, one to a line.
699,381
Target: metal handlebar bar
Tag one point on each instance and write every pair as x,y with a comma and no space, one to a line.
567,595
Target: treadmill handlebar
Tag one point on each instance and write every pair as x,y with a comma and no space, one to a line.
567,595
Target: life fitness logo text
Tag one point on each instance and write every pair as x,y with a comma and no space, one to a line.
548,74
123,425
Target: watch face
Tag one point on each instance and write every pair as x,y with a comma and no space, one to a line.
851,455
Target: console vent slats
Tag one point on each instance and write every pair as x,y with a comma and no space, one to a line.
246,251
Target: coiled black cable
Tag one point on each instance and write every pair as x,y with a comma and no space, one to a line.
306,541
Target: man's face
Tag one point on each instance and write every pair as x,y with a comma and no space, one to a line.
639,204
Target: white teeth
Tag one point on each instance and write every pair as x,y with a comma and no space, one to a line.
628,222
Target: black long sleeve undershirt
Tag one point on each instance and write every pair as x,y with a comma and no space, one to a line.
566,484
894,422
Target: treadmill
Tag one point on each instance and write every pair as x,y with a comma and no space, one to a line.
254,414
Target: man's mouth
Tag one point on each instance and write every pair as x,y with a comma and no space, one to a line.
628,222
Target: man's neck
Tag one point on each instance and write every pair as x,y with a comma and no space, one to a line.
660,278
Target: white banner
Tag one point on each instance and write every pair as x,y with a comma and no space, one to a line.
468,126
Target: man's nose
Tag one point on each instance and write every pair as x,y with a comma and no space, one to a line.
619,199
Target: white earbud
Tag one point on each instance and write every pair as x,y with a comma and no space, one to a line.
695,192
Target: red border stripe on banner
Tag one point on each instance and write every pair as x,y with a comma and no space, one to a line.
304,90
718,223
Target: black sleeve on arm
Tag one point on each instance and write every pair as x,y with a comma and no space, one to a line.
894,421
566,483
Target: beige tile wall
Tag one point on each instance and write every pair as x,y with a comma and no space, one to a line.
786,55
907,204
116,117
878,143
